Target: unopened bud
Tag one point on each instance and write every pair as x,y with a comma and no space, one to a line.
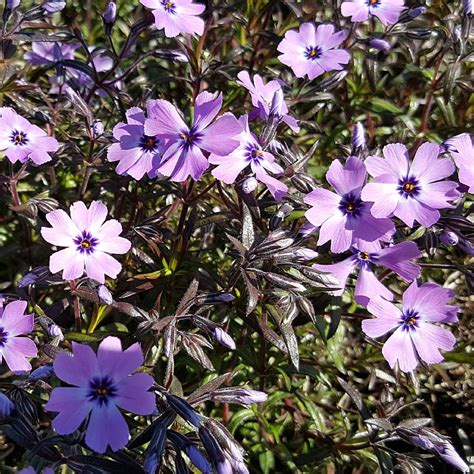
223,338
380,44
54,331
449,238
12,4
105,295
358,138
110,13
42,373
97,128
6,405
53,7
249,185
468,7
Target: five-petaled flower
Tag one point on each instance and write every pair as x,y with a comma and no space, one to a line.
13,348
410,191
343,218
462,151
183,155
249,153
136,152
20,140
177,16
415,337
396,258
88,240
267,99
312,51
102,384
387,11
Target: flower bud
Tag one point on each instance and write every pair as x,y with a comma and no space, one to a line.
12,4
242,396
468,7
105,295
97,128
358,138
6,405
54,331
184,410
449,238
53,7
249,185
110,13
380,44
223,338
307,230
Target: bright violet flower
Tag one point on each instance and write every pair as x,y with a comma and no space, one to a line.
43,53
21,141
462,151
343,218
136,152
396,258
407,191
177,16
102,385
183,155
88,240
311,51
415,336
387,11
267,99
249,152
14,349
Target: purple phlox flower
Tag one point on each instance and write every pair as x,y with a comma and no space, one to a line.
136,152
31,470
410,191
101,385
249,152
462,151
342,216
267,99
415,336
14,323
396,257
387,11
43,53
312,51
88,239
177,16
20,140
183,155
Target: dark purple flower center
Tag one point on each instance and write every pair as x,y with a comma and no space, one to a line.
313,52
408,187
85,242
169,7
18,138
190,138
3,337
148,143
410,320
364,259
254,154
373,3
101,390
351,205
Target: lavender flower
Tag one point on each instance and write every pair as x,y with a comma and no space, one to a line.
265,99
13,348
387,11
311,51
102,384
136,152
343,218
47,54
183,155
177,16
21,141
462,151
249,153
410,192
396,258
88,240
414,337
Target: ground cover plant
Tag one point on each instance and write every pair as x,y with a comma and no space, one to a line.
236,236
